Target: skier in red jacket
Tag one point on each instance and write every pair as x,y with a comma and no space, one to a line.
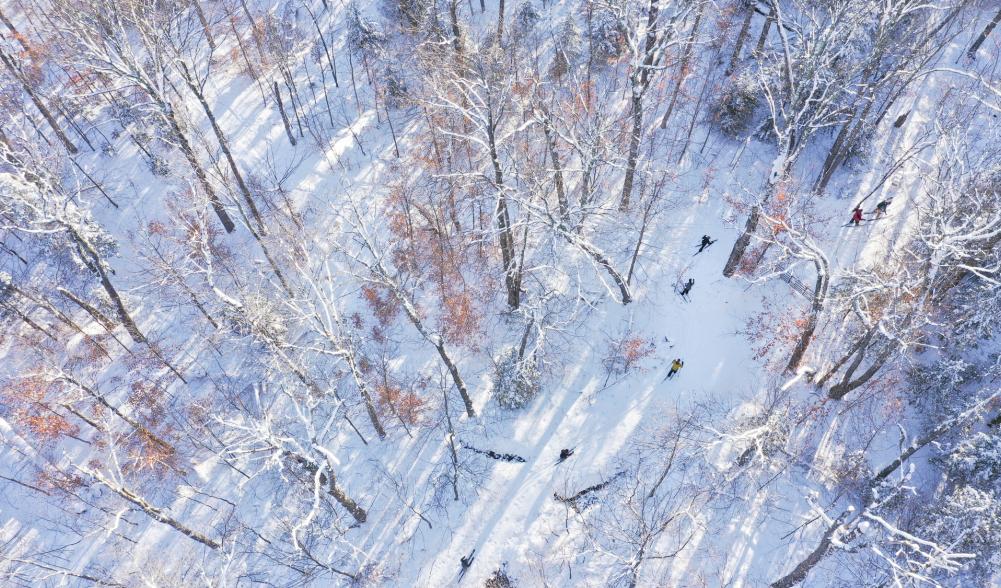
856,216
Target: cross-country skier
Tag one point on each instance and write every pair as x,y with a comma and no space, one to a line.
856,216
676,365
706,242
881,208
465,562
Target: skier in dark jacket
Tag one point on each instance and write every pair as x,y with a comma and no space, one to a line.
688,287
564,454
881,207
465,562
856,216
706,242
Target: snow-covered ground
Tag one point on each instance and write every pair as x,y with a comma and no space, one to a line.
759,522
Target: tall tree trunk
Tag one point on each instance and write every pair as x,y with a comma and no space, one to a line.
741,37
224,145
434,339
453,18
96,265
323,42
13,31
512,274
763,37
333,488
281,109
359,379
136,425
61,316
593,252
842,146
802,569
561,195
123,313
634,148
500,22
154,512
27,320
451,446
972,51
639,82
683,67
200,175
740,246
37,101
197,7
94,313
819,296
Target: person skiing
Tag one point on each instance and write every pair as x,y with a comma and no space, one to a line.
676,365
688,287
564,454
856,216
465,562
881,207
706,242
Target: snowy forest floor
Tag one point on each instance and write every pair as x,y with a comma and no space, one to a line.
506,511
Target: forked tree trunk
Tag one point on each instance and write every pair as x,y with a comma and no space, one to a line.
846,384
333,488
858,345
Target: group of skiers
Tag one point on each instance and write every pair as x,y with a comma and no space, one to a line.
466,561
878,212
678,363
685,290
